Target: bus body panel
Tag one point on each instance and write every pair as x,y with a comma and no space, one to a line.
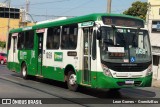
55,61
13,54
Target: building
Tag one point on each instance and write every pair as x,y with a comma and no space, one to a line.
153,22
13,16
4,18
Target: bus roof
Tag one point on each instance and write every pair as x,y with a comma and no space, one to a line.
79,19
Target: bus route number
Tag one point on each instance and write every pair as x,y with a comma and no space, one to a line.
49,55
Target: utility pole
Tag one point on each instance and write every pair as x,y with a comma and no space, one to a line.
27,9
109,6
8,24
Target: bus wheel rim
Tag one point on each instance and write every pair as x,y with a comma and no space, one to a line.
24,71
72,79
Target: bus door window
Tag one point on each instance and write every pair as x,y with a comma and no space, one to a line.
87,35
40,45
14,43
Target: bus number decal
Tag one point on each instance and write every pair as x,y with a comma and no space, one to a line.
49,55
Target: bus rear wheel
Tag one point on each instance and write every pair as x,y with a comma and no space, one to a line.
115,89
24,71
72,81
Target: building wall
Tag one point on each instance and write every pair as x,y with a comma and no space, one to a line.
155,6
14,23
153,22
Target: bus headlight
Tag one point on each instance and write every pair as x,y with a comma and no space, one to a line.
106,71
149,70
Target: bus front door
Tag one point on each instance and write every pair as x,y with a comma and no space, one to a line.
87,37
40,53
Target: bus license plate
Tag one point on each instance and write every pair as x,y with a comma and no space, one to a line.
129,82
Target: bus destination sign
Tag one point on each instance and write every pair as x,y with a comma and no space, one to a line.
122,21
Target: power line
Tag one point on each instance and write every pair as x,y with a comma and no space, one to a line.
48,2
42,3
76,7
38,15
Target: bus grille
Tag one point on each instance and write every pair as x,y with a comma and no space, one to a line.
127,68
136,83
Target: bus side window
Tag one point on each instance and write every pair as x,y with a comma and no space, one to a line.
69,36
53,38
21,40
29,39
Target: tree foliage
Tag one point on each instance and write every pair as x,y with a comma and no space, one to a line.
2,44
138,9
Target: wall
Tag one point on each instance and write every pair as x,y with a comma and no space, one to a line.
154,15
14,23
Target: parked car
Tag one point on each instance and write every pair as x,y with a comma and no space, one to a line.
3,58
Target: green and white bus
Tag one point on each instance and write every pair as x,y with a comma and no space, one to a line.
104,51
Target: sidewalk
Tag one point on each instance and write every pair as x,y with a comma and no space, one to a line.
156,83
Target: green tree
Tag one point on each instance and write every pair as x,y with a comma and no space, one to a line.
138,9
2,44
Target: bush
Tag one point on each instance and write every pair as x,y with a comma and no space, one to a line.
2,44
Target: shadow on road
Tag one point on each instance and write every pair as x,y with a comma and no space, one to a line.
107,94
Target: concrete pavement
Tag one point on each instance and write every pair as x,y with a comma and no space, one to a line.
156,83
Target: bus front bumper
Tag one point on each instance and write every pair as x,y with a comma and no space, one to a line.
110,82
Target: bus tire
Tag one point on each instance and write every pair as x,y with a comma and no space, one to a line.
24,71
115,89
71,81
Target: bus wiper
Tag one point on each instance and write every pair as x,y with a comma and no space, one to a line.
138,28
136,37
121,38
113,26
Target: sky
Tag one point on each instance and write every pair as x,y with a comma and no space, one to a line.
48,9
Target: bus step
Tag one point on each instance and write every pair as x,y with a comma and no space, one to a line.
39,76
88,85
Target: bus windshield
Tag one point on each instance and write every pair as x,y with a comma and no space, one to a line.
125,45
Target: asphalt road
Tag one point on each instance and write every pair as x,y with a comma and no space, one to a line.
13,86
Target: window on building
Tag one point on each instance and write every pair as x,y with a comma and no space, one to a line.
69,36
53,38
155,26
155,60
14,13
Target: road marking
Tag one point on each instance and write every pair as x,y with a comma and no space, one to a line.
19,77
5,74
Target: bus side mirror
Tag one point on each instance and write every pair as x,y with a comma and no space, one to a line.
98,34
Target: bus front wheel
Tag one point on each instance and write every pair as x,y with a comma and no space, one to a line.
71,81
24,71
